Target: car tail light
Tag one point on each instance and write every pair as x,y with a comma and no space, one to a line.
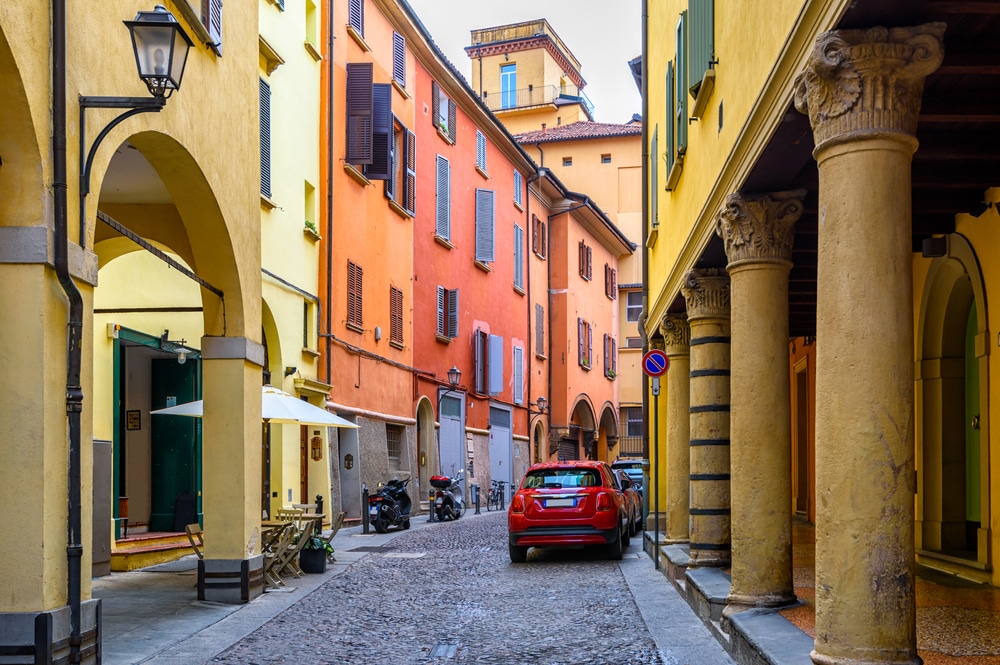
604,501
517,505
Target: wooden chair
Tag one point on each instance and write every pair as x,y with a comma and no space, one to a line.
305,507
274,555
338,522
289,515
289,560
197,539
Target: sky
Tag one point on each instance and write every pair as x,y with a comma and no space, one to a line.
602,35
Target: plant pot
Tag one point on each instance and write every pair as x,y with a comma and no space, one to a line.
312,561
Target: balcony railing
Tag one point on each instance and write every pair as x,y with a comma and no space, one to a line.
630,446
536,96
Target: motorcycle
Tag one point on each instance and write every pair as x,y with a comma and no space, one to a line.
390,506
449,499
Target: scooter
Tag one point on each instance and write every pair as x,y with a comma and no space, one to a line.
449,499
390,506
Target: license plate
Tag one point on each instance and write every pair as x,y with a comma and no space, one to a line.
373,511
559,503
439,502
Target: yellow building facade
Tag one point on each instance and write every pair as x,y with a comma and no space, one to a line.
804,194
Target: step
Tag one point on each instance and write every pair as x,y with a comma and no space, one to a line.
144,550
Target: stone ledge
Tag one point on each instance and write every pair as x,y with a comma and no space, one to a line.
708,589
764,637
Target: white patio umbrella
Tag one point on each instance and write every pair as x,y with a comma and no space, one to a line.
277,406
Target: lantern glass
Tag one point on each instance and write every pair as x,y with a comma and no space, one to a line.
161,50
454,376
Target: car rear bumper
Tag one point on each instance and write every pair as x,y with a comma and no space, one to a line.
562,536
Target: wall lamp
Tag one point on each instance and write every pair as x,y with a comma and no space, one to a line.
175,347
291,370
541,403
161,49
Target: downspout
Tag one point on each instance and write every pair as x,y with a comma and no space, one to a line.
530,351
74,391
645,262
329,194
541,158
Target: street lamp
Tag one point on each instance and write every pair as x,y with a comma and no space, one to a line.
161,47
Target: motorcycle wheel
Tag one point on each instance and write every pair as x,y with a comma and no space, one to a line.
440,515
460,510
406,524
381,525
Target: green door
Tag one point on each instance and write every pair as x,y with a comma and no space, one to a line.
175,456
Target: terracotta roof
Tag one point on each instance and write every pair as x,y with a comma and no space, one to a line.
578,130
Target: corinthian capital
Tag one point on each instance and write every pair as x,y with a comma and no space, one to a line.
760,227
862,81
706,293
676,334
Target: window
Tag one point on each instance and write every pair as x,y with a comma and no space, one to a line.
518,189
610,357
394,446
484,226
443,220
445,112
586,259
633,342
633,305
354,289
585,344
539,238
518,372
567,161
307,319
402,183
508,86
610,282
380,167
356,17
481,152
265,139
399,59
488,351
395,316
605,159
447,313
539,330
312,32
632,417
518,257
211,18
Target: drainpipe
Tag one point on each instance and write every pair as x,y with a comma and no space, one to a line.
541,155
74,392
329,194
645,274
530,351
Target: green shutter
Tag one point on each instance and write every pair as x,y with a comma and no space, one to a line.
701,34
668,139
654,180
681,88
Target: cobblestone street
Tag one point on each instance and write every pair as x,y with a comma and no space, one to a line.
448,593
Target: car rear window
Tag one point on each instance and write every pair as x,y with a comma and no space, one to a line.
561,478
627,465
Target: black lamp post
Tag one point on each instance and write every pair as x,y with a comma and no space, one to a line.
161,47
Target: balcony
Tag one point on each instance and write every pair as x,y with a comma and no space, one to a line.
525,98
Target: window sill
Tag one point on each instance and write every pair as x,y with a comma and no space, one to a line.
610,378
355,327
355,173
400,88
540,256
356,36
443,134
482,172
312,235
313,51
518,206
443,339
312,353
444,242
540,356
704,94
396,345
675,174
586,367
651,238
520,290
483,266
400,210
267,202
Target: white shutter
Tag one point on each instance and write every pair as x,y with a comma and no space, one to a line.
518,186
453,313
518,375
443,227
495,363
441,311
518,257
484,225
480,150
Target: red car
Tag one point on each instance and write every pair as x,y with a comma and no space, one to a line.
568,504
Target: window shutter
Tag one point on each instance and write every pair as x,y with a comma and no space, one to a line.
395,315
607,280
702,42
410,177
453,313
354,289
265,138
442,311
399,59
480,150
443,224
534,234
452,120
360,102
607,353
614,355
579,335
590,345
614,284
590,256
518,187
681,87
539,329
211,18
479,352
518,256
484,225
380,167
544,239
392,183
583,260
357,16
518,372
435,103
494,361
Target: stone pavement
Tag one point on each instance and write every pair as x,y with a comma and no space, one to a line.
438,593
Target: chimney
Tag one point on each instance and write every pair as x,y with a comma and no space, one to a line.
543,129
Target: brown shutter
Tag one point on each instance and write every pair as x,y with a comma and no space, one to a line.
399,59
211,18
452,119
381,164
435,102
579,334
360,102
590,271
534,234
543,234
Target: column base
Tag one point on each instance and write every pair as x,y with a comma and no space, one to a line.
709,559
740,603
820,659
231,581
43,637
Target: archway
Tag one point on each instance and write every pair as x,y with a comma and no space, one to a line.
427,453
607,433
953,436
580,441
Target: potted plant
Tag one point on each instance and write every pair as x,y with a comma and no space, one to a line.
312,556
310,230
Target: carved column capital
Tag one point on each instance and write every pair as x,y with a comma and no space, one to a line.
759,227
859,82
676,334
656,343
706,293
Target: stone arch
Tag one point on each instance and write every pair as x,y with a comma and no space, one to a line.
427,452
582,428
607,432
953,462
539,448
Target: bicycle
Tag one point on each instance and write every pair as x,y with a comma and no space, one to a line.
494,498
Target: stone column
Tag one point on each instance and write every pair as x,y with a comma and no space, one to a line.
758,233
862,90
707,296
676,339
